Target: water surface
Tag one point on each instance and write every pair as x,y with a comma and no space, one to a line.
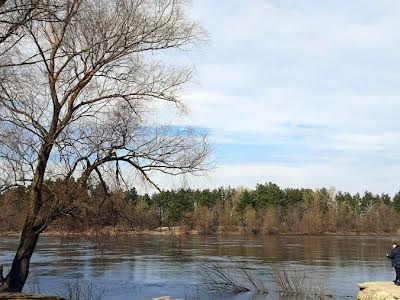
152,266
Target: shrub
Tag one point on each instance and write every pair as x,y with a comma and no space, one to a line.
138,216
250,220
203,220
271,222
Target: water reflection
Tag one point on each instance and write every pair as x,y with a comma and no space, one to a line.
145,267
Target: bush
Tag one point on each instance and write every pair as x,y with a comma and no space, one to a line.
312,219
227,217
138,216
271,222
204,220
13,208
251,220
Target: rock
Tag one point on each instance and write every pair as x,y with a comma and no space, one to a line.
379,291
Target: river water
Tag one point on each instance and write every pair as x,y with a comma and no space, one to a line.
153,266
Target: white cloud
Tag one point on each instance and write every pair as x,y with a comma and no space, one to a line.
337,174
274,107
325,71
306,26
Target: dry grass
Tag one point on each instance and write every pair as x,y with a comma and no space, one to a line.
82,290
289,282
294,283
73,290
236,280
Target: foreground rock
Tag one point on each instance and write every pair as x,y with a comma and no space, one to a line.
19,296
385,290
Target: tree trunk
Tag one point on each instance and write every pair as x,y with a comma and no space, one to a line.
16,278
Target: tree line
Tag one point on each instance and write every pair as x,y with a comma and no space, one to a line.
266,209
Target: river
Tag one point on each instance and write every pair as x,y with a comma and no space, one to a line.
149,266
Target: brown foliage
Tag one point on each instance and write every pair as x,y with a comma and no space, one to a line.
112,210
228,218
379,219
251,220
13,209
137,216
204,220
271,222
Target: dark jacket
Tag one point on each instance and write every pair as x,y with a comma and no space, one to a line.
395,257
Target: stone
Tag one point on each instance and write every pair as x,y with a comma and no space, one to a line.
385,290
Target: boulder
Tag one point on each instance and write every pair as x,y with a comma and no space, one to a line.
385,290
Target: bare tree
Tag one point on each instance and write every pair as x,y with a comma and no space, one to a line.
77,102
15,13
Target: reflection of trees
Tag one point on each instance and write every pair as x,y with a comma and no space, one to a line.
311,250
130,255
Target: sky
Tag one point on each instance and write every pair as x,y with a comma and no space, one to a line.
300,93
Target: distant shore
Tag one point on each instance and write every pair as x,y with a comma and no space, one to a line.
180,231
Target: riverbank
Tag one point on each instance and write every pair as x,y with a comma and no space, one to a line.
182,231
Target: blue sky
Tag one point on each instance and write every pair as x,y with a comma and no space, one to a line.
301,93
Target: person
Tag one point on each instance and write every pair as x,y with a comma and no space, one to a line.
394,256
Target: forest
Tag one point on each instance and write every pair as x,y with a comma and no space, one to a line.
266,209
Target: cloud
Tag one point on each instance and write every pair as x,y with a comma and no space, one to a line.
299,176
302,93
313,28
